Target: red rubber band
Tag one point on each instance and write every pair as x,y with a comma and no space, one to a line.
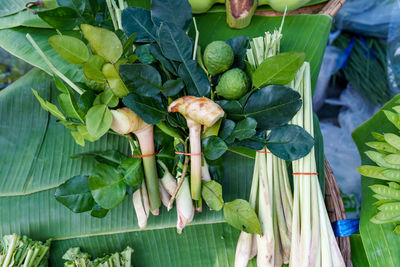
189,154
305,173
145,156
263,152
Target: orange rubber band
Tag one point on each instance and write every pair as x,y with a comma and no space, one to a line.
263,152
305,173
189,154
145,156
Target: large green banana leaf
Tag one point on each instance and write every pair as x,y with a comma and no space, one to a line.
380,243
35,151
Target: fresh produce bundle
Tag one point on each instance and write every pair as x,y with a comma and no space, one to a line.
149,82
295,229
75,258
22,251
386,155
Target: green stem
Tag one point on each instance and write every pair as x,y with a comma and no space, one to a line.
146,141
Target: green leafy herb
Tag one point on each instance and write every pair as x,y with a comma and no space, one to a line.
46,105
142,79
138,20
93,68
107,186
70,48
63,18
241,215
75,194
213,147
98,120
149,109
133,171
280,69
212,194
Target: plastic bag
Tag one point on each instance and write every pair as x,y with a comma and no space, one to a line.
340,149
393,48
366,17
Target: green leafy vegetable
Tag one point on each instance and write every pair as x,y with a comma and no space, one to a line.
213,147
241,215
138,20
142,79
107,186
98,120
133,171
63,18
279,69
75,194
212,194
93,68
149,109
70,48
46,105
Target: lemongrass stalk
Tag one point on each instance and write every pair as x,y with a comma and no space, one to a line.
265,242
246,247
280,216
184,204
165,197
205,172
167,180
141,205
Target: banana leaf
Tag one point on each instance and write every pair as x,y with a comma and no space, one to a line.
35,152
8,7
380,243
24,18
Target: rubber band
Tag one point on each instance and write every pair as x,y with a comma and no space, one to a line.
263,152
145,156
346,227
305,173
189,154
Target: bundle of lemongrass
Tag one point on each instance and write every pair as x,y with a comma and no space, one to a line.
313,242
296,230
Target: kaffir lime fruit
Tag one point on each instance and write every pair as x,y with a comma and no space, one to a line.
233,84
218,57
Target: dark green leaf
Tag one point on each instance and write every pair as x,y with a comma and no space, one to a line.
107,98
86,100
233,109
172,87
272,106
109,157
75,194
245,129
241,215
93,68
133,171
98,120
239,46
107,186
257,142
168,65
70,48
149,109
195,78
212,194
70,107
104,42
165,11
137,20
226,128
78,5
213,147
144,54
290,142
98,211
280,69
64,18
175,44
141,79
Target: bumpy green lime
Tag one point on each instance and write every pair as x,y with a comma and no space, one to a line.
218,57
233,84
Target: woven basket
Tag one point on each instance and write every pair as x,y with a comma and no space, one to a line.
333,199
